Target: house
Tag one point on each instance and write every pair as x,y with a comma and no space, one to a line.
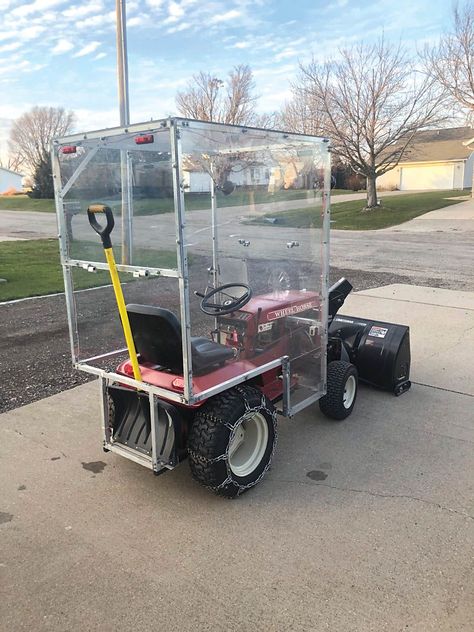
197,181
271,169
10,180
436,159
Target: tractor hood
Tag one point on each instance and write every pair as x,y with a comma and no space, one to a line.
281,304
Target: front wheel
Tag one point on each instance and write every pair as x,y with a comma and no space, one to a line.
232,440
342,382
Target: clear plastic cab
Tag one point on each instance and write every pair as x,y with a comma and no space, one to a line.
220,238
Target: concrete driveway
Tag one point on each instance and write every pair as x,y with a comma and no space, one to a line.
361,526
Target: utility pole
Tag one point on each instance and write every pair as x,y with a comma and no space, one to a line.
124,104
122,63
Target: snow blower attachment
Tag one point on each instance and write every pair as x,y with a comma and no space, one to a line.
227,317
380,351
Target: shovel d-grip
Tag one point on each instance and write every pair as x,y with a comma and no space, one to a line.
102,231
104,234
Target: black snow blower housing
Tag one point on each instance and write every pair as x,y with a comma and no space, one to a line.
379,350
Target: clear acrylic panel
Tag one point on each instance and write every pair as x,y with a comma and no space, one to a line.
136,181
198,206
99,337
254,216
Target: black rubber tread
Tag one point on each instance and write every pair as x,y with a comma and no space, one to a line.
210,434
332,404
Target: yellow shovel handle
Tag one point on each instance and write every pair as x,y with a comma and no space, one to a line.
123,313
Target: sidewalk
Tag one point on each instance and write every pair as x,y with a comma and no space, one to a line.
456,218
381,541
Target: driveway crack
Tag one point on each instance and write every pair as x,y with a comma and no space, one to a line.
369,492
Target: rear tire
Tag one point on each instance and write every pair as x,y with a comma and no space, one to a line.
232,441
342,382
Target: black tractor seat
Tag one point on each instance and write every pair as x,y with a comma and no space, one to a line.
157,336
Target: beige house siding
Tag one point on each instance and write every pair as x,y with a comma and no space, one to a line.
425,175
468,169
390,181
10,180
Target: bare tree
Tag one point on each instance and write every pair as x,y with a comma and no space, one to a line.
233,101
11,162
370,103
451,62
301,114
32,132
208,98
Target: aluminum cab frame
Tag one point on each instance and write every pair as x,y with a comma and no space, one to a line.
174,125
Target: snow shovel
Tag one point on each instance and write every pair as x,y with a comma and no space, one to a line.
104,234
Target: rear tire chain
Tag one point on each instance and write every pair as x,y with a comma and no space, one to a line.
211,433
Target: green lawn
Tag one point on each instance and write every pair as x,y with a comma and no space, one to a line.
157,206
25,203
32,268
350,216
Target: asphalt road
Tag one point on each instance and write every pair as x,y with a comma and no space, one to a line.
361,526
434,252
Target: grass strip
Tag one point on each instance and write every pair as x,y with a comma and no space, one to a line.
158,206
394,210
32,268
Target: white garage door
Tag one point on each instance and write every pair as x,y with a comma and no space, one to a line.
427,177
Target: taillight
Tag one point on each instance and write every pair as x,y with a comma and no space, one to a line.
144,140
128,369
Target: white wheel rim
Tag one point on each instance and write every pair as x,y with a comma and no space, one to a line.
248,445
349,391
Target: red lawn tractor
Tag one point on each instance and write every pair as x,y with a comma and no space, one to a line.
204,374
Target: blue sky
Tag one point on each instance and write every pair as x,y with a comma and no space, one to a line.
61,53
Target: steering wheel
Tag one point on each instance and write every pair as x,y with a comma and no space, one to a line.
231,304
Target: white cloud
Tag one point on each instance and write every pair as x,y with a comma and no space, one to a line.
31,32
63,46
272,101
155,4
19,66
241,45
95,21
96,119
9,47
79,11
139,20
100,56
288,52
34,7
225,17
175,11
180,27
87,49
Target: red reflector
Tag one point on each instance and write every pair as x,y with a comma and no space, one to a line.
128,369
69,149
145,140
178,383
